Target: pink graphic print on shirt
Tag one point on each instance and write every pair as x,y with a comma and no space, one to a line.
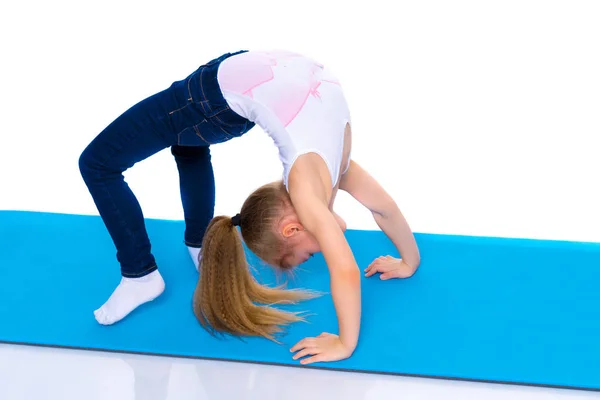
256,69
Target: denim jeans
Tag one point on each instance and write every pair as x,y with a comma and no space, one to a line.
187,117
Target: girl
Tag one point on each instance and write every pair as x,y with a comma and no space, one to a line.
301,106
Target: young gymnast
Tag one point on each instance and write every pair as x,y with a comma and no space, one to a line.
301,106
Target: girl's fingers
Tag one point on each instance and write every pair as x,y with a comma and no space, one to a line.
305,352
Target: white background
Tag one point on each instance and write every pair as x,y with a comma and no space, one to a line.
479,117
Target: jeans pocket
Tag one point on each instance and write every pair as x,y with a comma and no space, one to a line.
234,131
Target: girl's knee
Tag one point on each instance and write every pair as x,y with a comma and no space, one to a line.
89,165
84,163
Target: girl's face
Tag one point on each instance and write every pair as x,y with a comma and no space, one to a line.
299,248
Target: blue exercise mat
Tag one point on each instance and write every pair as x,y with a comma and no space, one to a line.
484,309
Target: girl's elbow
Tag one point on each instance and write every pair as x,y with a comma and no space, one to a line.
349,277
354,279
340,222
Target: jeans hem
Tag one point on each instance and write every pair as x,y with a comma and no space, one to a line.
145,272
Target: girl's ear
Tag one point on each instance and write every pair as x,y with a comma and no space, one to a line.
291,228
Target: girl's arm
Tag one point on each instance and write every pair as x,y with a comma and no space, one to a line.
366,190
310,191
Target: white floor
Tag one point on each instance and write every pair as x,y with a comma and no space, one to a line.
478,117
43,373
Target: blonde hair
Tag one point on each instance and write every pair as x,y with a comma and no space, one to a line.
226,294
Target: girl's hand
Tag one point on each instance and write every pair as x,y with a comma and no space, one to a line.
390,268
325,347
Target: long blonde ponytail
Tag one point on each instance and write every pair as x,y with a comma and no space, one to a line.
226,294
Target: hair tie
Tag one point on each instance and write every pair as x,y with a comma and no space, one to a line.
236,219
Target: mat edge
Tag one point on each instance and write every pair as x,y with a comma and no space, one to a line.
351,230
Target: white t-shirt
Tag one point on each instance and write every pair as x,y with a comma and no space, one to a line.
296,101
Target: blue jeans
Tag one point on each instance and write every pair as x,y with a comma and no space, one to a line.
187,117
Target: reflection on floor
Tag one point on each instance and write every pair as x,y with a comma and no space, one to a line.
44,373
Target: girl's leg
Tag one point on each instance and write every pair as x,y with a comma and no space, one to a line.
197,187
139,133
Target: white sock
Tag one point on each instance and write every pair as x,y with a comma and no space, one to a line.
196,256
130,294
